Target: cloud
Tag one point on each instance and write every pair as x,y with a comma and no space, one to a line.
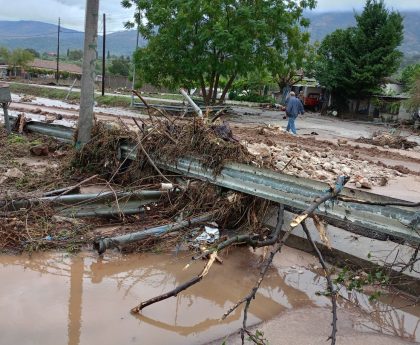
349,5
72,12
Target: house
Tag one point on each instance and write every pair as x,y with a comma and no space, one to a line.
51,65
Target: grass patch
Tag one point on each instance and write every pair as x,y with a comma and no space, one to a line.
59,94
113,101
45,92
51,93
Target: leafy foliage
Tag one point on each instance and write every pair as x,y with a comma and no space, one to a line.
414,101
33,52
75,55
120,66
357,281
409,74
18,57
354,62
198,43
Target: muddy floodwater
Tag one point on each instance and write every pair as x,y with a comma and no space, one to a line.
57,298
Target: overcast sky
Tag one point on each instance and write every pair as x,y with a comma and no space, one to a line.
72,11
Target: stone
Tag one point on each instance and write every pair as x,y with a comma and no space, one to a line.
259,149
346,170
320,175
40,150
315,160
14,173
305,154
327,166
358,184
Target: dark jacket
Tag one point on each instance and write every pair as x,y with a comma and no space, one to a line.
294,107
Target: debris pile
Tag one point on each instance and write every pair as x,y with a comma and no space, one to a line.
321,165
388,140
27,98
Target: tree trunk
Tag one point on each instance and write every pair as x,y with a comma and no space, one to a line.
356,111
216,86
226,89
203,88
210,93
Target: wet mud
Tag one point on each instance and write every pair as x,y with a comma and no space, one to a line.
55,298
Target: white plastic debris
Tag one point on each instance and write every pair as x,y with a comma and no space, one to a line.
166,186
209,235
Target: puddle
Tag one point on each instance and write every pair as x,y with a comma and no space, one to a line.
53,298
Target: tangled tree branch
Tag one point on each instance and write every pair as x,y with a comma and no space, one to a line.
255,242
331,290
179,288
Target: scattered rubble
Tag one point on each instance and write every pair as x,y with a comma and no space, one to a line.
27,98
388,140
322,165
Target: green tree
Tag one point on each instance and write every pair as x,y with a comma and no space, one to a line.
409,75
35,53
75,55
18,58
355,61
289,64
4,54
414,101
120,66
202,43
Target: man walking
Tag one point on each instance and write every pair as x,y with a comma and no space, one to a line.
293,109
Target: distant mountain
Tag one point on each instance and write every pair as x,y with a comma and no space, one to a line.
323,24
43,38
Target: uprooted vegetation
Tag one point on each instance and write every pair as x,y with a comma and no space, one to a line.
37,228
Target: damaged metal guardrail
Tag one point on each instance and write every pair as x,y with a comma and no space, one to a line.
181,108
103,244
395,222
91,205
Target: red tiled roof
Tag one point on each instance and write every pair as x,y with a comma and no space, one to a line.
52,65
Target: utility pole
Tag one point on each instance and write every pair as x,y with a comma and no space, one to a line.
58,51
134,67
85,123
103,58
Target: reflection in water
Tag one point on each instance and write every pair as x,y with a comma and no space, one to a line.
110,286
75,300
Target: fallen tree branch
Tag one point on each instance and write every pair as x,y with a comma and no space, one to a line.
152,163
263,271
331,290
179,288
67,190
148,107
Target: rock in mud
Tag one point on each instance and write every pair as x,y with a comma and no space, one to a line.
14,173
40,150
